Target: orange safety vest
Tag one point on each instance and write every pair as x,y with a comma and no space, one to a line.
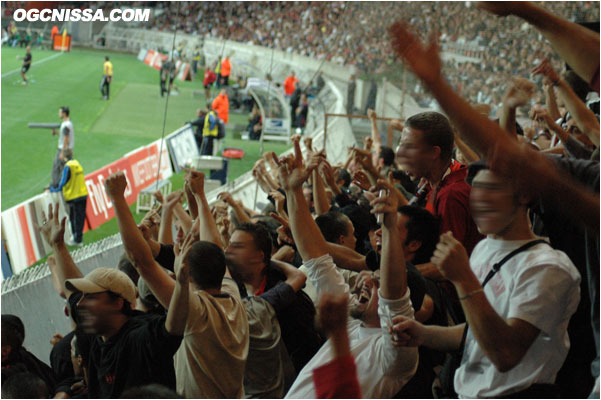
221,105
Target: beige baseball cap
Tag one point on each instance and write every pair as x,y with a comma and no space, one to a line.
102,280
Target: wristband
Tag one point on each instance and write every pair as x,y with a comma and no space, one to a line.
470,294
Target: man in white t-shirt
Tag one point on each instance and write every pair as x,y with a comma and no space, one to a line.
517,338
382,368
66,140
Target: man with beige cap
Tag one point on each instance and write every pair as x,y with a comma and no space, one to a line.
131,348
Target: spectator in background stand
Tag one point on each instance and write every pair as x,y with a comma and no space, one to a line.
290,84
209,78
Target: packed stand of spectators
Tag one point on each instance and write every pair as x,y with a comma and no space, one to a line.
351,34
463,263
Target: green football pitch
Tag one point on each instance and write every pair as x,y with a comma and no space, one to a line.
104,130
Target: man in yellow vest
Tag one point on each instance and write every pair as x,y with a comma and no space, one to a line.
210,132
107,78
73,186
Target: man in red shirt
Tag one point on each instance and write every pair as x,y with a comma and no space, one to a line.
209,78
425,152
290,84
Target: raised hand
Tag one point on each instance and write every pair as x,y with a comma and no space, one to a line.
367,143
451,259
387,204
173,199
308,142
51,229
195,180
423,60
115,185
292,172
284,232
371,114
279,200
519,92
226,197
159,196
182,266
361,179
397,124
546,69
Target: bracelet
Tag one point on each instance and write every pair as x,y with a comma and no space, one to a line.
470,294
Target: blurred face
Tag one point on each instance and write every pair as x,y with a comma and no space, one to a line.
413,154
402,228
242,255
493,203
364,301
349,240
96,312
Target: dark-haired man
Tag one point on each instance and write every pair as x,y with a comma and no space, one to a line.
425,151
249,258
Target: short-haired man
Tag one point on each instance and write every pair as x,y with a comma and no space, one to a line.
517,337
337,228
66,140
425,151
107,78
75,193
131,348
212,319
248,256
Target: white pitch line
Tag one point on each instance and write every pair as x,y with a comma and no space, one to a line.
33,63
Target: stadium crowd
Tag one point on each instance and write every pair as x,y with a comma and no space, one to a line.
408,273
351,34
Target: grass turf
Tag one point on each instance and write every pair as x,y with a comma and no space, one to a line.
104,130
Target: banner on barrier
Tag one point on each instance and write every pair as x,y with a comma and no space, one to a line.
24,243
155,59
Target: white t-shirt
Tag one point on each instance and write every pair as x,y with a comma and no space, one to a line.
66,129
540,286
382,368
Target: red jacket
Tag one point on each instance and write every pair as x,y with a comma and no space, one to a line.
210,77
452,206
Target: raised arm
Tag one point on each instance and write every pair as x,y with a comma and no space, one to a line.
489,140
577,45
585,119
241,215
294,277
165,229
208,228
518,93
393,275
307,236
136,247
177,314
321,201
53,232
375,134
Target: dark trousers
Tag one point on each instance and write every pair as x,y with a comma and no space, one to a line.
206,148
163,87
105,86
57,169
77,215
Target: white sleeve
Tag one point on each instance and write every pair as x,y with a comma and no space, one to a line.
395,360
325,277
